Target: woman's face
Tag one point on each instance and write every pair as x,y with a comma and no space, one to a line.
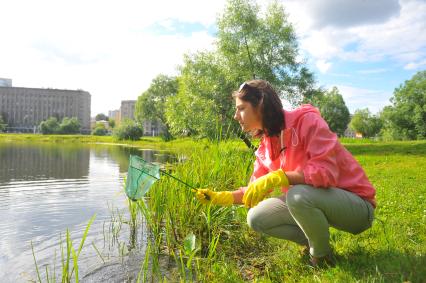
249,117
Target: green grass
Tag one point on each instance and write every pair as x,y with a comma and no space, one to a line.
394,250
179,145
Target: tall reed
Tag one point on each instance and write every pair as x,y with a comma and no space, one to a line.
172,213
70,254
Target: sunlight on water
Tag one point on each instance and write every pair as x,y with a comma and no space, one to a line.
47,189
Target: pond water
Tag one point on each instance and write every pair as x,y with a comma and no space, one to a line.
46,189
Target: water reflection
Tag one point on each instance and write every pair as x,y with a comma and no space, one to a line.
44,161
30,161
47,188
122,157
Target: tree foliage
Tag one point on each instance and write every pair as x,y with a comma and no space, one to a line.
69,126
128,130
152,103
99,130
249,44
203,105
364,122
262,45
50,126
406,118
333,109
111,122
101,117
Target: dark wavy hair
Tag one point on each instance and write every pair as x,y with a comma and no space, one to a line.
261,93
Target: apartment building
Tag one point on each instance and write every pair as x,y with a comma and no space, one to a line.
25,108
127,111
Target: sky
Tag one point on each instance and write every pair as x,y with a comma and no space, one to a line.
113,49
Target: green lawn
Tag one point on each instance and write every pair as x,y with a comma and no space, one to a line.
394,250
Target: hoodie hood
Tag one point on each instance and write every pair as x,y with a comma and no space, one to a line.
292,117
271,147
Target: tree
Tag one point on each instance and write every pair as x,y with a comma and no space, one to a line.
263,47
248,46
406,118
389,131
203,105
99,130
333,109
50,126
365,123
3,124
128,130
101,117
69,126
151,104
111,122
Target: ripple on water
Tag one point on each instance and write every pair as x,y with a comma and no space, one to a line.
45,190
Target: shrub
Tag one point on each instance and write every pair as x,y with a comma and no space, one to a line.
69,126
49,126
99,130
128,130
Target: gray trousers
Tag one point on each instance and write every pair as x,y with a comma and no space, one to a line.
305,214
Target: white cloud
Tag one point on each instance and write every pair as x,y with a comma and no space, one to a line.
317,43
323,66
104,47
359,98
107,47
402,38
391,35
344,13
383,34
415,65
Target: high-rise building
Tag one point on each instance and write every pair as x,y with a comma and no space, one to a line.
115,115
25,108
127,110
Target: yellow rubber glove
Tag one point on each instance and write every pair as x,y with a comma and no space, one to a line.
258,189
224,198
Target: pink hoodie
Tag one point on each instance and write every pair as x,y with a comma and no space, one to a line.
311,147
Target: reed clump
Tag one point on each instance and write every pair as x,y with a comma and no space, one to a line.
214,244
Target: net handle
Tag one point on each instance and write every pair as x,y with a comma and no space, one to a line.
179,180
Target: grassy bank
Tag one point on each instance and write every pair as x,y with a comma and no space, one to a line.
179,145
226,250
149,141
